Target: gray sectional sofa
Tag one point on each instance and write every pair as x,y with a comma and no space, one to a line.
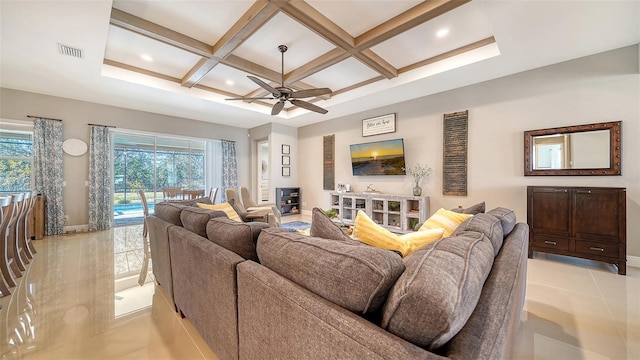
255,292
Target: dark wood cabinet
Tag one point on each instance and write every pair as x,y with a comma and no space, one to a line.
585,222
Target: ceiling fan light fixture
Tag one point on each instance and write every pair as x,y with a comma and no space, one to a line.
284,93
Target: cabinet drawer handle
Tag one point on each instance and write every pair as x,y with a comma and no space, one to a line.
550,242
560,190
595,248
584,191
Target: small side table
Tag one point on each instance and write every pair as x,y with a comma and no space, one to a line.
258,216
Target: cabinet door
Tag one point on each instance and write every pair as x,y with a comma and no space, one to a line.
596,215
549,211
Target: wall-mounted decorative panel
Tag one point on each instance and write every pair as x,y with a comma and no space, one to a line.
454,165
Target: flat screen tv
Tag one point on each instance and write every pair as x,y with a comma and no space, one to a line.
378,158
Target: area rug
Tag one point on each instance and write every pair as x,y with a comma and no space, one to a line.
295,225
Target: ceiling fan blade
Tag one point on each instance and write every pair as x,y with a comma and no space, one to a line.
252,98
277,108
310,92
264,85
308,106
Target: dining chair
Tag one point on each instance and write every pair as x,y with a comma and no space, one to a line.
21,230
213,193
5,201
31,250
145,240
16,264
172,194
8,265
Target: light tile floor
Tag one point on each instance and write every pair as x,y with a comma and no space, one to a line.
78,301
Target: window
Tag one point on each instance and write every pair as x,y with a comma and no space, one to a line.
15,160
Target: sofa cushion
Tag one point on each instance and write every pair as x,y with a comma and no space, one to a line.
322,226
195,219
435,296
478,208
507,219
169,212
354,276
445,219
236,236
226,207
486,224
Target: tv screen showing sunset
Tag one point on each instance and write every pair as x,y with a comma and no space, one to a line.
378,158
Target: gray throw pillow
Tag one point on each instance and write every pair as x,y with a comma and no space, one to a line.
473,209
323,227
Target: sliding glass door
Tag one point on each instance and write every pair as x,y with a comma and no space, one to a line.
153,164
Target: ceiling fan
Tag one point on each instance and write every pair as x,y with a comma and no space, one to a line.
283,93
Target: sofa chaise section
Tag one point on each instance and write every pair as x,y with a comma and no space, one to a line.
281,318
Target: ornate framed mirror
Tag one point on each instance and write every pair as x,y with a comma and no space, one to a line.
593,149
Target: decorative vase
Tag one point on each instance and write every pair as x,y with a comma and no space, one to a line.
417,190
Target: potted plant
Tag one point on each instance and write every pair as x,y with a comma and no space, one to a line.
420,173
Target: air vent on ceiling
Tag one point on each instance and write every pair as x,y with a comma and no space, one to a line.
70,51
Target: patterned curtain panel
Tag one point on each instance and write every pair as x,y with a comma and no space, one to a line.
229,167
100,165
48,170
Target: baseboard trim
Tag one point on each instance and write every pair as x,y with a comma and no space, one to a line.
75,228
633,261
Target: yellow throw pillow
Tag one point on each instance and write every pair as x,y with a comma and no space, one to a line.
367,231
305,232
226,207
417,239
444,219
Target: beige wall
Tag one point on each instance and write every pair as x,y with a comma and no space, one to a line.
599,88
76,115
276,135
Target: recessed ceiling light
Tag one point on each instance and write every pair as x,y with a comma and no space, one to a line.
442,33
229,82
146,57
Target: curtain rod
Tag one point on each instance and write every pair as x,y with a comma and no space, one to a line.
109,126
40,117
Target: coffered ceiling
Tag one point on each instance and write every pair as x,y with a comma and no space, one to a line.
184,58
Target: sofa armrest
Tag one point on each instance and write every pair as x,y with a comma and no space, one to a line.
205,289
278,319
